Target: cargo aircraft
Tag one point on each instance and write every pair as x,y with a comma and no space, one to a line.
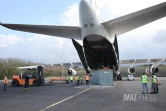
100,45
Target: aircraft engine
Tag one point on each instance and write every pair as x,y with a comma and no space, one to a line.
152,70
72,72
131,70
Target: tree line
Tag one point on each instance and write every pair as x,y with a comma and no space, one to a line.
8,66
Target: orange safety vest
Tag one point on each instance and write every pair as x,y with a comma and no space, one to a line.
5,80
87,78
157,81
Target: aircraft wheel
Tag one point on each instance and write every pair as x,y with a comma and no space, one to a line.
36,83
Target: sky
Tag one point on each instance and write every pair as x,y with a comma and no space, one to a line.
142,43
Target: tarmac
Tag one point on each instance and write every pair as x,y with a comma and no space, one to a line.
122,96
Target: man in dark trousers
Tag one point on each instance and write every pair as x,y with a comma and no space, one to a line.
78,77
5,82
81,79
26,82
153,84
87,78
157,84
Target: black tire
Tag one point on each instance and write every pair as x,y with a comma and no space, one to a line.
36,83
15,83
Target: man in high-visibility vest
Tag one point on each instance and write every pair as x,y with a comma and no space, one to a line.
153,90
87,78
78,79
5,82
144,80
68,79
81,78
71,80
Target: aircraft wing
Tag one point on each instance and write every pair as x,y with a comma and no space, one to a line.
30,67
69,64
155,62
77,64
60,31
134,20
134,61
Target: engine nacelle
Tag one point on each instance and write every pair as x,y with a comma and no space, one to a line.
147,70
131,70
152,70
72,72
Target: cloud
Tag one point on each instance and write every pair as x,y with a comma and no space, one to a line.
8,39
3,45
110,9
145,42
44,22
42,49
160,37
70,16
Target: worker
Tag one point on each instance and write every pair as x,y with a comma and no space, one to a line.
76,80
68,79
153,88
5,83
87,78
144,80
26,82
71,80
157,84
81,78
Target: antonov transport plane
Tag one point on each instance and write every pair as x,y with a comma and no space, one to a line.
100,45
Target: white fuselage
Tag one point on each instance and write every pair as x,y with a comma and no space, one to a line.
90,23
98,44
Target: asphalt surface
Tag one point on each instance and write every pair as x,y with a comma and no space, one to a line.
60,96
